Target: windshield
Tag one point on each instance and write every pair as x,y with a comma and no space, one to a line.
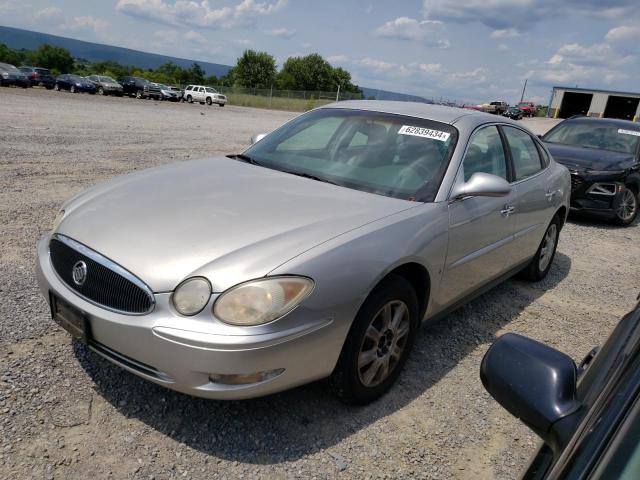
592,134
210,90
392,155
106,80
75,78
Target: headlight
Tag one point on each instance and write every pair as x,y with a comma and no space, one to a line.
78,84
5,75
261,301
191,296
57,220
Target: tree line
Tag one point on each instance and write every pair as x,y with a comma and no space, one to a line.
252,70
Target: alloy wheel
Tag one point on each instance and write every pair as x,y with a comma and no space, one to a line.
548,247
628,205
383,344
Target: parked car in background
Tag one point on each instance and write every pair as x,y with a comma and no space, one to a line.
169,94
179,92
336,235
514,113
39,76
202,94
528,108
603,156
74,84
498,108
140,88
588,416
10,75
106,85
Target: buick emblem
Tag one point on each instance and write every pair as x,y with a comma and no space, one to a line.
79,273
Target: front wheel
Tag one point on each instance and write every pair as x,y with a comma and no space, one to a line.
627,207
221,104
72,89
101,91
189,99
540,264
138,94
209,102
378,343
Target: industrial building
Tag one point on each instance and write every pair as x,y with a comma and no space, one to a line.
566,102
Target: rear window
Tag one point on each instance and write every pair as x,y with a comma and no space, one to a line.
42,71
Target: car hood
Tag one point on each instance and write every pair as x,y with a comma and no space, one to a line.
217,217
581,159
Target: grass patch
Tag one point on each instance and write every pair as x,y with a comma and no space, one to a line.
275,103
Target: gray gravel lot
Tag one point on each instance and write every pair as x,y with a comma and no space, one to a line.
65,413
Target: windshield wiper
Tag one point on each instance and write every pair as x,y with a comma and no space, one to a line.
312,177
245,158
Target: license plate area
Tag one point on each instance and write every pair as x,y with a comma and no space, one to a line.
70,318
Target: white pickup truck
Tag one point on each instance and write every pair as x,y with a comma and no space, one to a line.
202,94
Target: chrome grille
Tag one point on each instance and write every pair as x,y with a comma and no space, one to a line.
107,284
576,182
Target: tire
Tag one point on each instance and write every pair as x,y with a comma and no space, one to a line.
627,206
100,91
209,102
72,89
189,99
221,104
56,87
368,333
138,94
541,262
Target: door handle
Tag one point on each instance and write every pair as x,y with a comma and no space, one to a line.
549,195
507,210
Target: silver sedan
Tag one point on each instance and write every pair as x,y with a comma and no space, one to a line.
316,253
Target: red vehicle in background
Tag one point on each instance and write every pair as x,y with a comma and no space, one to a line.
528,108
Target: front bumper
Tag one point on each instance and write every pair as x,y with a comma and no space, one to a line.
586,198
180,354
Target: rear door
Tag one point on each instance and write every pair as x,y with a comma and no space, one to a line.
535,204
480,228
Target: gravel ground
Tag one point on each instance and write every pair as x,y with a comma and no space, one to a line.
66,413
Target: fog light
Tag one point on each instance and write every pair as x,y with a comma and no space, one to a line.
244,379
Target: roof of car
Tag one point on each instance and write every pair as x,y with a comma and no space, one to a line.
612,121
439,113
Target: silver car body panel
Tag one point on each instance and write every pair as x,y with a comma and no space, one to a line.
231,222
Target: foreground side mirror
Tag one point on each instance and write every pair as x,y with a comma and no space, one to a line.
256,138
535,383
482,185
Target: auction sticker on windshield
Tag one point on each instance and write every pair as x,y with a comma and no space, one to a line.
624,132
424,133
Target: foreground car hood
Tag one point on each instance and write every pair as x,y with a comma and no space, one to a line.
577,158
221,218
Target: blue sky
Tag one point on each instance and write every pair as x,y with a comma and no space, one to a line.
473,50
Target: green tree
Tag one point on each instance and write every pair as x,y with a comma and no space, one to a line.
196,74
49,56
11,56
255,70
311,72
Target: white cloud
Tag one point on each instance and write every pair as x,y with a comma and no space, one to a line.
195,37
243,41
87,22
49,14
337,59
405,28
199,14
281,32
503,47
430,68
505,33
624,33
523,14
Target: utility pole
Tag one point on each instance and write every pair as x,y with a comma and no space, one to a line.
523,90
338,94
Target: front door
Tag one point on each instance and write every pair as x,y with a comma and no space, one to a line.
481,229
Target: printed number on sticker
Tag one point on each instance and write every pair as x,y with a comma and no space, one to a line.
628,132
424,132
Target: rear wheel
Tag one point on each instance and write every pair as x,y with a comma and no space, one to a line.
56,87
627,207
541,263
72,89
101,91
221,104
378,343
189,99
138,94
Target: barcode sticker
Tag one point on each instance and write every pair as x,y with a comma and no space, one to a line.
628,132
424,133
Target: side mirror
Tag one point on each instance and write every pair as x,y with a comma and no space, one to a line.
533,382
256,138
482,185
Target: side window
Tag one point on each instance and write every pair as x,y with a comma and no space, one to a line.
525,155
485,154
